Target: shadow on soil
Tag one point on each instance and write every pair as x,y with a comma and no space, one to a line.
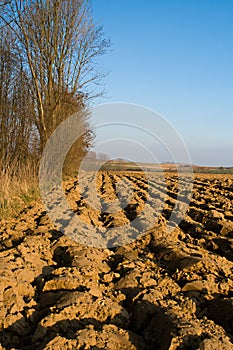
149,323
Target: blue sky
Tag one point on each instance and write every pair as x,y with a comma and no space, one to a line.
175,57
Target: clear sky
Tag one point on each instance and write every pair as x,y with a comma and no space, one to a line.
175,57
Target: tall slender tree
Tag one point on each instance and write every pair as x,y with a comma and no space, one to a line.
59,44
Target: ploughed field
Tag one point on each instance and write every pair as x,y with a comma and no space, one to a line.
134,284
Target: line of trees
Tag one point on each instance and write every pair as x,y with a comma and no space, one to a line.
48,71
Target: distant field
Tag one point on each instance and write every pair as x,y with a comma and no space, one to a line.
213,170
167,167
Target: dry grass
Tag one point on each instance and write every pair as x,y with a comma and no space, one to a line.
18,187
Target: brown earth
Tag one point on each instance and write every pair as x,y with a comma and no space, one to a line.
162,291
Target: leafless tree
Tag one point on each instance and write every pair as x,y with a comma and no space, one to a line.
58,43
16,103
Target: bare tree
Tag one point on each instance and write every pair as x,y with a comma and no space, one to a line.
16,103
59,44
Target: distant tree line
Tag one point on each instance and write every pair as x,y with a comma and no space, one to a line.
48,71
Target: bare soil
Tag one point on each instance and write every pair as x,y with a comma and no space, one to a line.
162,291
